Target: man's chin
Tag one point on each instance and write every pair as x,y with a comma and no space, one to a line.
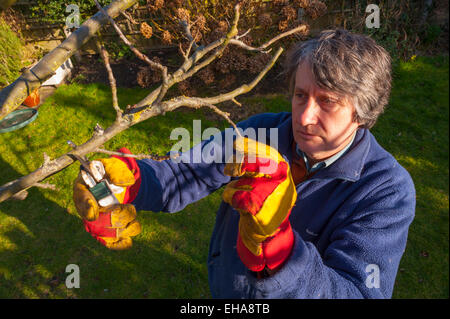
308,147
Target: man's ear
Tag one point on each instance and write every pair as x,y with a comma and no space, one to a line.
355,120
355,116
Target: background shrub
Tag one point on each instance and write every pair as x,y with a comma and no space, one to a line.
11,48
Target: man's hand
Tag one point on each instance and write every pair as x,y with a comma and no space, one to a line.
113,226
264,195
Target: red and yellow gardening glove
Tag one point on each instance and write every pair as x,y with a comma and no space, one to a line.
264,195
113,226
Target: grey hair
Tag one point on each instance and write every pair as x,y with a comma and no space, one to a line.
349,64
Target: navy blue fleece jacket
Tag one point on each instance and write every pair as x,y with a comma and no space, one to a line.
350,220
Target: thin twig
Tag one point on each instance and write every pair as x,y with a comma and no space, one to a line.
236,102
243,35
192,101
188,51
261,48
126,15
112,80
187,30
136,156
185,71
143,57
138,53
180,48
228,37
164,88
46,186
143,112
225,115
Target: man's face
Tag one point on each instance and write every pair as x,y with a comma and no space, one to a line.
322,121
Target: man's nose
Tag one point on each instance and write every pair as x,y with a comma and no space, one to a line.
309,114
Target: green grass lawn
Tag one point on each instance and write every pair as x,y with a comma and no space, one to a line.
41,235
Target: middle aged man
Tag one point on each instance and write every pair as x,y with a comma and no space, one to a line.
325,214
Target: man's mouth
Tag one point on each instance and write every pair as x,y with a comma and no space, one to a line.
305,134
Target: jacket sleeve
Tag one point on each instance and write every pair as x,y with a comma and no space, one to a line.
363,255
171,185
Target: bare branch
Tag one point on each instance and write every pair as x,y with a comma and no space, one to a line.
225,115
138,53
112,80
46,186
236,102
300,28
243,35
187,30
180,48
143,57
46,158
202,51
232,95
14,94
195,57
129,18
182,73
179,101
135,115
136,156
164,88
188,50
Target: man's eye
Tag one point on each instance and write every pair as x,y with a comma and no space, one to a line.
330,101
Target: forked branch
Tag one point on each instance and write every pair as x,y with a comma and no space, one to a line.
154,103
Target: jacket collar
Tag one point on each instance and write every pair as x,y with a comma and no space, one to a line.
348,167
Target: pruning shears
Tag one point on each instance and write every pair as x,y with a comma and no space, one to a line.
93,174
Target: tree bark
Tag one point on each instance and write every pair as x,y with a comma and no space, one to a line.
12,96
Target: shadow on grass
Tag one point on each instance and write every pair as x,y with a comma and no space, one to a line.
39,238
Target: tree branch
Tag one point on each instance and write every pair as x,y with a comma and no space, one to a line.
12,96
137,156
112,80
165,82
138,53
261,48
179,101
134,116
51,167
185,70
187,30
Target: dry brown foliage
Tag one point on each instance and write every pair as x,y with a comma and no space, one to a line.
316,9
146,30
